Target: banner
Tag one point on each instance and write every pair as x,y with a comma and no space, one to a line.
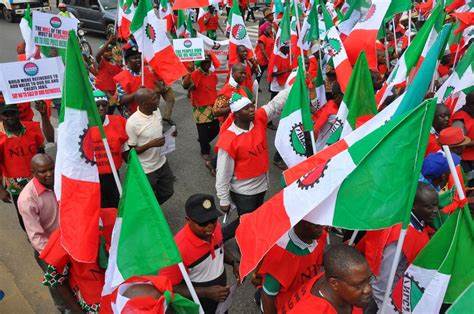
189,49
220,48
52,30
27,81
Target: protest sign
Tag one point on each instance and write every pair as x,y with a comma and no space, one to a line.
26,81
189,49
220,49
52,30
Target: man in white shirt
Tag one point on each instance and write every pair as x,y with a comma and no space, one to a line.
242,158
145,134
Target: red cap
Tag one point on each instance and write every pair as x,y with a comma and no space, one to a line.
452,136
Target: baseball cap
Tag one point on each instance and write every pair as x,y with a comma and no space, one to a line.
131,51
201,208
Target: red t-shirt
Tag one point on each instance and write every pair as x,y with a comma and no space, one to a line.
16,151
116,137
433,145
205,88
104,79
268,43
303,301
212,23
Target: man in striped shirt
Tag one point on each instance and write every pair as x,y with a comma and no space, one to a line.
201,246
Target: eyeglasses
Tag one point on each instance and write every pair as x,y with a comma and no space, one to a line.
206,223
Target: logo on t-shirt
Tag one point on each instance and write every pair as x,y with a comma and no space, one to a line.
297,139
312,178
30,69
55,22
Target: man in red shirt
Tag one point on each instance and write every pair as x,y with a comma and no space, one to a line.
344,287
202,84
107,69
221,108
251,66
294,259
264,49
19,142
114,128
440,122
201,246
210,23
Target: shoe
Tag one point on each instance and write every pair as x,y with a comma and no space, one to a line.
280,164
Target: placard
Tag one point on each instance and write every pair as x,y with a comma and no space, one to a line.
52,30
31,80
220,49
189,49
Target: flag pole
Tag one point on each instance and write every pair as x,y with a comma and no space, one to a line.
409,26
116,17
456,56
387,57
190,286
393,270
143,58
353,237
454,173
298,27
395,37
112,165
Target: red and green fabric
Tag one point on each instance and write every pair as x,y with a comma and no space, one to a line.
413,96
335,49
142,242
355,10
442,271
294,121
358,101
396,7
364,34
126,10
154,44
238,34
77,184
191,4
343,190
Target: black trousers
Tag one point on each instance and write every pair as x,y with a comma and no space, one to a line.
162,182
245,204
109,194
262,69
20,218
207,132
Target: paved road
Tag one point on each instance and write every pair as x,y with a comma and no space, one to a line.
19,274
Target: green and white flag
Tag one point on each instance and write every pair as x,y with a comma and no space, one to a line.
357,9
142,242
461,78
295,120
359,100
283,34
310,29
442,270
412,55
25,28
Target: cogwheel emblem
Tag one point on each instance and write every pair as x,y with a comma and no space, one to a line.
297,139
86,147
313,177
239,32
150,32
333,47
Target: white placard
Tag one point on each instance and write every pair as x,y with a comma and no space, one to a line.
189,49
170,141
52,30
26,81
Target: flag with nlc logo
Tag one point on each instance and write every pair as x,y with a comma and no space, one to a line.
442,271
238,34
